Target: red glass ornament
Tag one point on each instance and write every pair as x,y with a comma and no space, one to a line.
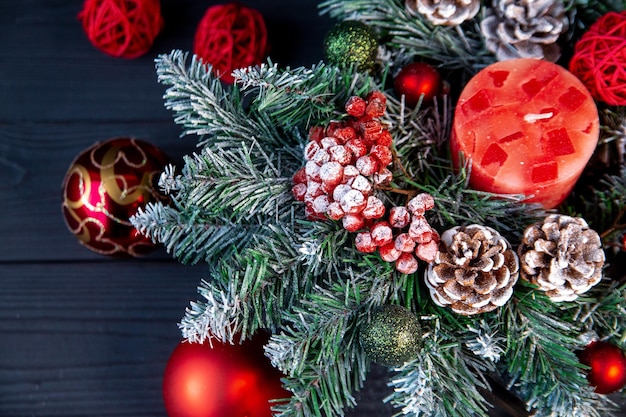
221,381
608,366
231,36
415,80
122,28
104,186
599,59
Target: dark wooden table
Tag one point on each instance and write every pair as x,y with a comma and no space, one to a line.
82,334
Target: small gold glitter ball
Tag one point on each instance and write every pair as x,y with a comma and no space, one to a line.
391,337
351,43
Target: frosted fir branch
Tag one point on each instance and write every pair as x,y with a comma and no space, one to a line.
204,107
240,183
425,387
459,47
215,318
302,95
190,237
168,181
487,343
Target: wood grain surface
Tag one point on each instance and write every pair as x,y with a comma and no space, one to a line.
82,334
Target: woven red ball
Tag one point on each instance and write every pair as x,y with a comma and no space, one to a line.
122,28
599,59
231,36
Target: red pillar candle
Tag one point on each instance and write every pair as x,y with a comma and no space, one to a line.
528,126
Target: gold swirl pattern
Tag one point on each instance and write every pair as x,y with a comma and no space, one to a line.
104,186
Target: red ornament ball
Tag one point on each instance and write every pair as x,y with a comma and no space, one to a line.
415,80
104,186
221,381
231,36
608,366
122,28
599,59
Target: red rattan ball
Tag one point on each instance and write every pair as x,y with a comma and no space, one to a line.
231,36
122,28
599,59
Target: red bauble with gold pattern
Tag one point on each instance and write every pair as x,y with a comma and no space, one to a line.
415,80
607,364
104,186
222,380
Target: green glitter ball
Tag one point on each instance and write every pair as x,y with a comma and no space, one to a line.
351,43
391,337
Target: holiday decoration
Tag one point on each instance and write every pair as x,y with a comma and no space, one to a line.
416,80
122,28
105,185
474,271
231,36
529,127
392,336
445,12
562,256
307,242
345,162
201,380
525,29
351,43
607,364
600,58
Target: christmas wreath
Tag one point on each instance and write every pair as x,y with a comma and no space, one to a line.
388,205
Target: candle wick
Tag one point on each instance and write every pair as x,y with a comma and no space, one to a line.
532,117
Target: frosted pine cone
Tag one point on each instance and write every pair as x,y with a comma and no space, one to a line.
562,255
444,12
525,28
474,271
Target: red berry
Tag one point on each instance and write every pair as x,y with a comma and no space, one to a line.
399,217
427,252
362,184
363,242
382,177
376,104
385,138
353,202
310,150
383,154
367,165
340,154
389,253
331,173
300,176
419,204
298,191
382,234
357,147
344,134
375,209
353,222
350,173
372,129
340,191
420,231
316,133
406,263
334,211
404,243
328,141
355,106
312,171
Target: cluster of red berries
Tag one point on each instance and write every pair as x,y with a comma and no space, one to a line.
346,161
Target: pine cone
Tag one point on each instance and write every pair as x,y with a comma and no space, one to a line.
474,271
525,28
562,255
444,12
